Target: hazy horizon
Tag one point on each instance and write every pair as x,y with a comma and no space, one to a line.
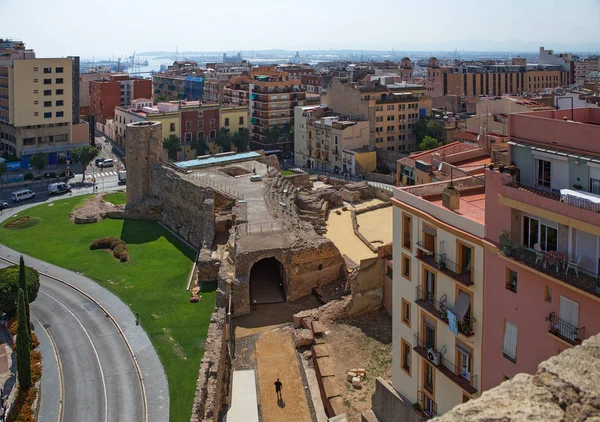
121,27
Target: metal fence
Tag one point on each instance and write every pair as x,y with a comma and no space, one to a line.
218,186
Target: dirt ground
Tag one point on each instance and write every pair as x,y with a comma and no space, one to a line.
276,358
339,230
361,342
376,225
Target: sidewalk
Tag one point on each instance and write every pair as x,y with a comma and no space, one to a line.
243,398
155,380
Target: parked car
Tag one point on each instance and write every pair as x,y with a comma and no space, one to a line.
98,161
122,177
3,205
106,163
22,195
58,188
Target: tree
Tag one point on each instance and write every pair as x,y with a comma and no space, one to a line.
173,146
39,161
3,170
199,145
160,97
428,143
9,287
223,140
23,344
241,140
84,155
272,135
23,286
427,127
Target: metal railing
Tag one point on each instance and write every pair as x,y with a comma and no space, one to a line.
429,413
218,186
575,276
451,268
564,330
439,308
439,305
554,195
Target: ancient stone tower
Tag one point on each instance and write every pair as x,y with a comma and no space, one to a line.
144,148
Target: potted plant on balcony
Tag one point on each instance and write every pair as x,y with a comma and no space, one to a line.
491,166
418,409
441,264
577,186
512,170
506,249
501,167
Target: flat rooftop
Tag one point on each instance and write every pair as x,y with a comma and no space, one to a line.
472,204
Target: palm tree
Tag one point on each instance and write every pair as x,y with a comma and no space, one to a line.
173,146
199,145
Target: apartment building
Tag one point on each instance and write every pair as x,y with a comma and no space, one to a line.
542,292
391,108
273,95
331,142
234,118
39,105
115,90
236,92
438,292
170,86
312,83
584,67
216,78
492,79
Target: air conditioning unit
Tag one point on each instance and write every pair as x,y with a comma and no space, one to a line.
433,356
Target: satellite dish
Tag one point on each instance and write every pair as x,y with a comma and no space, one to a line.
440,165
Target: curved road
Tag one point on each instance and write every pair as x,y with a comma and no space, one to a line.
97,377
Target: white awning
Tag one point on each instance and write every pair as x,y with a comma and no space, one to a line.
462,305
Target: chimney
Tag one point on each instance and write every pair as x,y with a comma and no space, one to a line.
451,198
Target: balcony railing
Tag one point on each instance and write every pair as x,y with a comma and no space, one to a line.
554,195
427,412
461,377
439,307
575,276
564,330
452,269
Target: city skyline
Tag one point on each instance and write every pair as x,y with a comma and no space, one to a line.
336,25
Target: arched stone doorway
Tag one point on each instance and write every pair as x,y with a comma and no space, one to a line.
267,282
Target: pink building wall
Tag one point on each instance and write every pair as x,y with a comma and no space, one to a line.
527,308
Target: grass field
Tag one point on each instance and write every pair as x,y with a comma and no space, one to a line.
152,283
117,198
287,173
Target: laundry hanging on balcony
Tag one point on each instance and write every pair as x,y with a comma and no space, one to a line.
461,306
452,323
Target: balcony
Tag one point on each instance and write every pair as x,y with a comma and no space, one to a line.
439,307
576,276
565,331
461,274
554,195
428,408
464,379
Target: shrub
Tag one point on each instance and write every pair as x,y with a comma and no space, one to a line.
28,176
118,247
9,287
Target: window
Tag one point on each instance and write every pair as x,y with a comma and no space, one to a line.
59,80
35,69
465,259
406,267
28,141
509,344
406,312
172,127
548,294
47,70
429,331
200,124
569,316
47,115
594,186
46,81
428,286
188,125
212,123
542,232
544,171
389,272
35,102
226,121
212,134
511,280
47,92
464,360
188,137
406,231
60,103
59,92
60,114
241,121
35,81
35,91
406,356
35,113
61,138
201,136
59,70
428,377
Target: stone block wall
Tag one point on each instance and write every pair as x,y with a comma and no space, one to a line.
301,180
212,387
187,209
144,149
389,406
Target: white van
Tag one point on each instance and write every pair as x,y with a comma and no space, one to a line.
106,163
22,195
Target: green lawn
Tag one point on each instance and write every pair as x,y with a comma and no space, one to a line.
287,173
152,283
117,198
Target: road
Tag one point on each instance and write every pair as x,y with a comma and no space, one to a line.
97,379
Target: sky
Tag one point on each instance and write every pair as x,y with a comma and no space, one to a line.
55,28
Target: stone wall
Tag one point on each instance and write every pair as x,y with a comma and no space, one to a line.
212,387
387,158
144,149
389,406
300,180
187,209
565,388
389,179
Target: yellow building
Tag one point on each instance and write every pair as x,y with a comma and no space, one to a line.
234,118
36,108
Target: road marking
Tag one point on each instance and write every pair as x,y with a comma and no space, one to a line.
95,352
61,381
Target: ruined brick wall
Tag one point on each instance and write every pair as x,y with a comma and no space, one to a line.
187,209
212,386
565,388
301,180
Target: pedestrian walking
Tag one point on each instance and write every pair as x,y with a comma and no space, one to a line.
278,387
